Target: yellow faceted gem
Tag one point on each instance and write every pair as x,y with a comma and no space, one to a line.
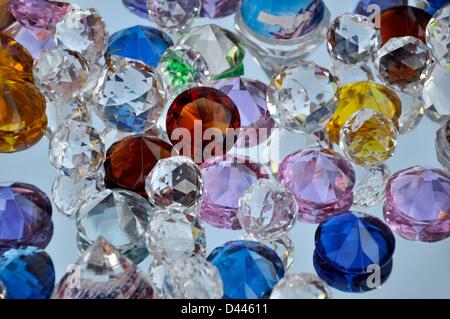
22,115
363,95
368,138
15,60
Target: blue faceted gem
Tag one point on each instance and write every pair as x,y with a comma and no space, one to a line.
27,273
141,43
249,270
354,242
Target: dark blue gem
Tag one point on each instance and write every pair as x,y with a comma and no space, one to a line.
249,270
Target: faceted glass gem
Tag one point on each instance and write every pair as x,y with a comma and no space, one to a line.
57,114
363,95
140,43
15,59
76,150
267,210
302,97
119,216
175,182
225,180
249,270
413,110
370,186
417,205
173,14
435,93
368,138
438,36
103,273
192,278
25,216
321,180
443,146
222,50
175,234
27,273
403,63
301,286
218,8
83,31
138,7
38,13
130,160
22,115
353,39
5,17
202,122
181,65
352,242
132,97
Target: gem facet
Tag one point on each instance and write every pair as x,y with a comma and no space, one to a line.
435,93
218,8
58,113
417,204
38,13
138,7
225,180
301,286
173,14
370,186
321,180
14,58
255,269
438,36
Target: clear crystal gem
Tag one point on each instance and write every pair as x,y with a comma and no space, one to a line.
156,273
267,210
76,150
436,94
120,216
370,186
302,97
352,38
68,194
175,182
413,110
301,286
173,14
438,36
173,234
443,146
57,114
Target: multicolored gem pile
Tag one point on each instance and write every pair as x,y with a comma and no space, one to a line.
150,134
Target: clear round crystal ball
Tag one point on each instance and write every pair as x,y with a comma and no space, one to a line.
301,286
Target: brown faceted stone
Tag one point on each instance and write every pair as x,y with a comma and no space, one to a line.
205,116
403,21
130,160
5,17
15,60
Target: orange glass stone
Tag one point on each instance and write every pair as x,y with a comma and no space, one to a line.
403,21
15,60
5,17
22,115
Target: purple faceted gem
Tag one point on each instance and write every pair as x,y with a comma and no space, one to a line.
138,7
321,180
218,8
38,13
417,204
25,217
225,180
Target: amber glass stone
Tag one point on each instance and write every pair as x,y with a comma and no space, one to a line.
5,17
403,21
130,160
22,115
205,116
14,56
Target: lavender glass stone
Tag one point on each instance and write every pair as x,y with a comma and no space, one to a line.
138,7
218,8
38,13
417,204
225,180
321,180
25,216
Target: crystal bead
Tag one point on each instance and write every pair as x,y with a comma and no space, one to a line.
25,216
61,75
83,31
175,182
103,273
192,278
353,39
370,186
132,98
301,286
76,150
57,114
27,273
302,97
120,216
218,8
174,234
179,66
174,15
435,94
437,36
222,50
368,138
443,146
15,60
38,13
68,194
267,210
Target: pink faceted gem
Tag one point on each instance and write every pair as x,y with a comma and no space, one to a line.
321,180
417,204
38,13
225,180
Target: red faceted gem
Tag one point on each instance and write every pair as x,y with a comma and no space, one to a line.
203,122
130,160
